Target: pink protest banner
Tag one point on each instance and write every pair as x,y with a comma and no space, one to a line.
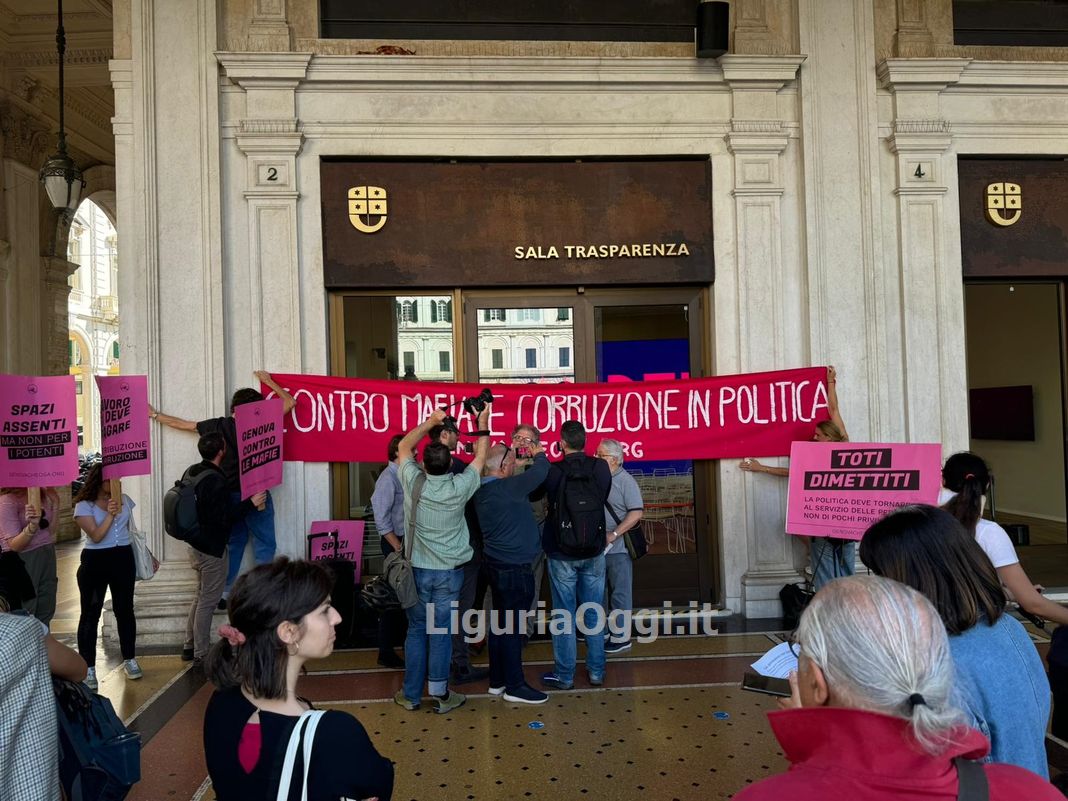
124,425
38,431
352,419
259,442
838,489
349,541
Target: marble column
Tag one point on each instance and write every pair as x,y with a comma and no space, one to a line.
928,270
766,289
267,257
171,287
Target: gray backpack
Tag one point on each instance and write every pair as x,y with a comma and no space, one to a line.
397,567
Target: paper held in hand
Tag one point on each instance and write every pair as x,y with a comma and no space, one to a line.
778,662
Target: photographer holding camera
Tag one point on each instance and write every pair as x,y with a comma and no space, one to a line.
440,547
475,583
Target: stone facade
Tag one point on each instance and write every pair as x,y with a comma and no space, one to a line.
834,205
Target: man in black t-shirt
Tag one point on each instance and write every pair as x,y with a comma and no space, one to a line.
217,512
258,524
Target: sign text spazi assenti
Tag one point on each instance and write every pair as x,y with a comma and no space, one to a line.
634,251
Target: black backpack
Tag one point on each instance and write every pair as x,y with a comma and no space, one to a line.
580,530
99,758
180,518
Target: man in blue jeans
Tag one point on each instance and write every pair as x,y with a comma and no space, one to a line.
575,581
623,512
440,547
259,523
511,541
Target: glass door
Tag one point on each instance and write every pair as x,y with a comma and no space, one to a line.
386,336
656,336
522,339
566,335
613,336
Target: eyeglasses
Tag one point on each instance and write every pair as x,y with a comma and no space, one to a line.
521,439
795,646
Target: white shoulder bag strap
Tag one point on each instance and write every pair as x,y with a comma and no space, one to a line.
306,724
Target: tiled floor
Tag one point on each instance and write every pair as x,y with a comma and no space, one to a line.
653,731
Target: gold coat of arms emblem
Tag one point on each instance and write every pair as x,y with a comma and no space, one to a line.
1004,203
367,208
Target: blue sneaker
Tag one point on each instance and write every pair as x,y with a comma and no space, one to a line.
554,682
132,669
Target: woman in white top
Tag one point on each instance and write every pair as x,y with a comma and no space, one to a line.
107,563
965,482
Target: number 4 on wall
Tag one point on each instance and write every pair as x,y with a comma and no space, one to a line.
920,171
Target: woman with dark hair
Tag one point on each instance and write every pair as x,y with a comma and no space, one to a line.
966,481
107,562
830,558
280,617
26,530
1001,680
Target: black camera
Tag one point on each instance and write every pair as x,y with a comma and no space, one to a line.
475,405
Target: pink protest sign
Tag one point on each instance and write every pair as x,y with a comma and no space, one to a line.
259,443
38,431
124,425
838,489
349,541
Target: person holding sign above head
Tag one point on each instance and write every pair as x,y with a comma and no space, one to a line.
830,558
107,562
258,524
28,531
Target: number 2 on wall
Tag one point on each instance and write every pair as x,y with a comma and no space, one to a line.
272,173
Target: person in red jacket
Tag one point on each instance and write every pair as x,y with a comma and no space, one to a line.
872,717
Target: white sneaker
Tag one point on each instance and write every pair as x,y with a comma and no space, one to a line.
132,669
90,680
496,690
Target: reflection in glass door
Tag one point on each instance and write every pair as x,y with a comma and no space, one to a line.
406,337
525,345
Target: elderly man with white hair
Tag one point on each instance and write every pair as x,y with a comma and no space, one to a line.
622,513
873,715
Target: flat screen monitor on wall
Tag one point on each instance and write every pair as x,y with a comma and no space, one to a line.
1002,413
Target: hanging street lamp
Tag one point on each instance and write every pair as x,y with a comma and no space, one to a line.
61,177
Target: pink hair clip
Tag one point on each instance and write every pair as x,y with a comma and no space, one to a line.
232,635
